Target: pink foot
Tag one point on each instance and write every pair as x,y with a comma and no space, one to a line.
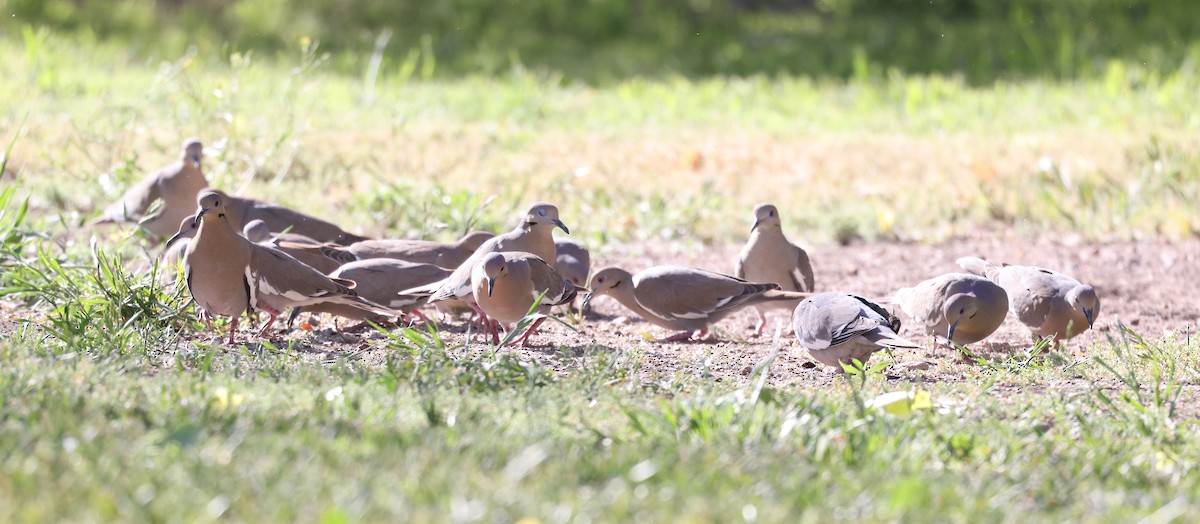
524,339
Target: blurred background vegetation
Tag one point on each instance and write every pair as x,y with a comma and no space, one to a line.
600,41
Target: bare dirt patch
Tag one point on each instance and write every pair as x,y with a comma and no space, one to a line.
1146,285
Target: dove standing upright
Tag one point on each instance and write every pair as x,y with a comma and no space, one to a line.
769,256
534,234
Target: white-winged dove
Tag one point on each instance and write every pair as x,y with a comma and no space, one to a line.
682,298
277,218
961,307
175,185
172,254
507,284
1049,303
299,247
380,280
230,275
447,255
769,256
573,261
534,234
257,231
837,329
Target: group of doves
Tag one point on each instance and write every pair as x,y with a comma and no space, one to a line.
242,255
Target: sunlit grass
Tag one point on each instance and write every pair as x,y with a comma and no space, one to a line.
111,413
892,158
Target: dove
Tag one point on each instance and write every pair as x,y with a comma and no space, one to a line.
380,281
769,256
175,186
681,298
838,328
1049,303
532,235
506,285
240,211
229,275
961,307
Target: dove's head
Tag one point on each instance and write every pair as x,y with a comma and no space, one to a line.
1083,297
544,214
608,281
494,267
765,215
187,229
958,307
193,151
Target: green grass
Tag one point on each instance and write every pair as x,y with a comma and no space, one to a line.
111,413
415,430
638,160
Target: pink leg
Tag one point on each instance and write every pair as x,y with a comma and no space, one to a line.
494,326
418,315
524,339
274,314
762,323
480,316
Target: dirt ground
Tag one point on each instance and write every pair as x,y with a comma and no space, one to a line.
1146,285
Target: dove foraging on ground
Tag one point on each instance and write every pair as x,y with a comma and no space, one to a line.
961,307
175,185
172,254
1049,303
380,280
229,275
277,218
837,329
534,234
298,246
573,261
684,299
770,257
505,286
257,231
447,255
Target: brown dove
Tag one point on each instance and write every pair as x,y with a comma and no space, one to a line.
961,307
298,246
277,218
380,281
447,255
770,257
507,284
573,262
230,275
175,186
534,234
1049,303
684,299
